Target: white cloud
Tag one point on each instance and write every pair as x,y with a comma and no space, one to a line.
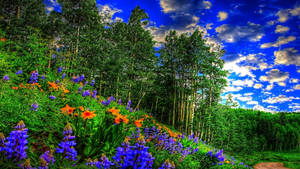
246,82
297,87
293,80
222,15
275,76
232,89
280,41
287,56
252,102
230,33
258,86
261,108
208,26
171,6
281,29
280,99
108,12
295,107
285,14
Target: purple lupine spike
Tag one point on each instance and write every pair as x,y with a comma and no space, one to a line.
59,69
66,147
120,101
52,97
5,78
34,106
93,82
63,76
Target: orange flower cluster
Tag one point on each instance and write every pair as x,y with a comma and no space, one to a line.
14,88
119,117
138,123
29,86
171,133
2,39
53,85
67,109
88,114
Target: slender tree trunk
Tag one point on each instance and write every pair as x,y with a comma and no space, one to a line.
174,101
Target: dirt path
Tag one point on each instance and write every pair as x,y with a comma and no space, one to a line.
270,165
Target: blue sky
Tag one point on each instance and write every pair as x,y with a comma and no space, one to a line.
261,39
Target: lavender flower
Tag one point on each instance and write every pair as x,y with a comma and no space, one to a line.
81,77
34,77
66,147
52,97
63,76
104,163
120,102
19,72
93,82
59,69
94,95
86,93
128,105
34,106
167,165
46,158
43,77
5,78
79,89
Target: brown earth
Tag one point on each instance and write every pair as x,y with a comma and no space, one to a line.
270,165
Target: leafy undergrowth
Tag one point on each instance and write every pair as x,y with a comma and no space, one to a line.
51,121
291,159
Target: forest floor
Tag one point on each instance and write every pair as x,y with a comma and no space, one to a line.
270,165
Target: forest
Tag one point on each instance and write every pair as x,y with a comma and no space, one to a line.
108,91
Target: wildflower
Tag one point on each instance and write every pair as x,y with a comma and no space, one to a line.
138,122
86,93
75,79
114,111
34,77
94,94
81,77
16,142
79,89
130,110
104,163
59,69
81,108
2,140
128,105
87,114
63,76
120,102
67,109
53,56
93,82
43,77
19,72
2,39
52,97
5,78
14,88
76,114
85,83
46,158
167,165
66,147
66,91
34,106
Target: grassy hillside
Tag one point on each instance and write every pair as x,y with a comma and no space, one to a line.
49,120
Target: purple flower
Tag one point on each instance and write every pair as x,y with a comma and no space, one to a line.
86,93
63,76
79,89
167,165
5,78
104,163
46,158
128,105
130,110
119,101
19,72
93,82
52,97
59,69
34,77
66,147
43,77
85,83
34,106
16,142
81,77
94,95
53,56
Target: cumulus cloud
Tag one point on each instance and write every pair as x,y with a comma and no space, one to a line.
287,56
297,87
275,76
280,41
258,86
285,14
295,107
231,34
281,29
107,10
293,80
222,15
280,99
261,108
169,6
252,102
208,26
246,82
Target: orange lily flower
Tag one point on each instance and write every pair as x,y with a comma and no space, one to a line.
53,85
118,120
66,91
114,111
81,108
138,122
87,114
15,88
67,109
2,39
